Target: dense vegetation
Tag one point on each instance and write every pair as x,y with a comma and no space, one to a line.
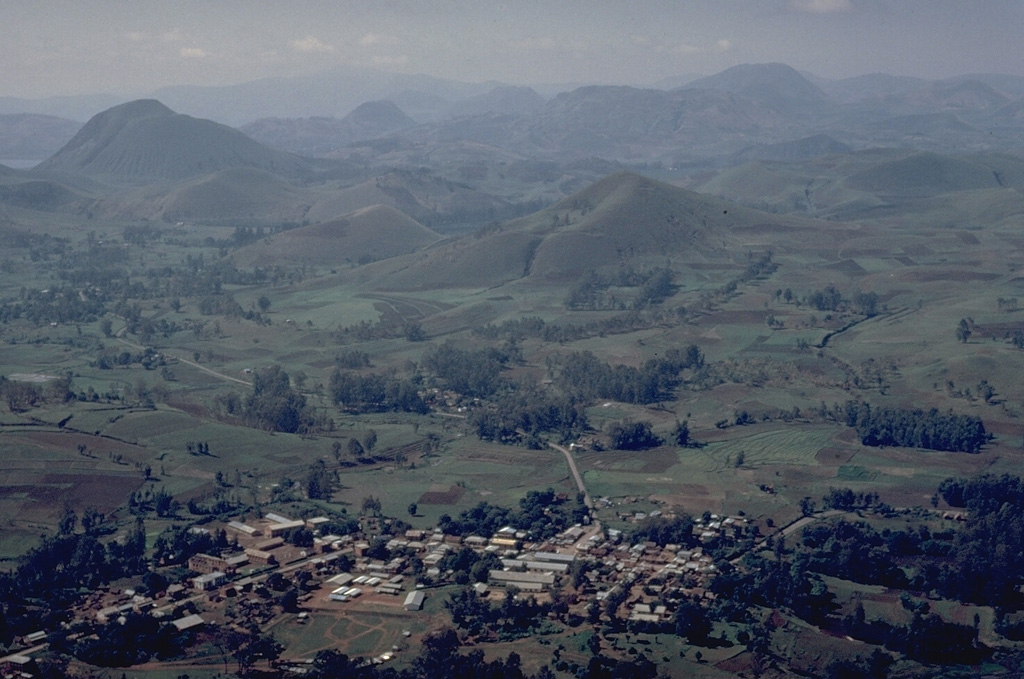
916,428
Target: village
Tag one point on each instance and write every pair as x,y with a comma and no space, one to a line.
374,570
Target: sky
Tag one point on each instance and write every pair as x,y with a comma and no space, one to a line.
71,47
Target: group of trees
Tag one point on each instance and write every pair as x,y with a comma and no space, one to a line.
368,393
663,531
981,562
514,618
472,372
20,396
830,299
584,376
927,638
534,327
591,291
915,428
531,410
41,591
274,405
542,513
631,435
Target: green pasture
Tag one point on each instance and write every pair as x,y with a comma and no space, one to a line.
473,471
795,460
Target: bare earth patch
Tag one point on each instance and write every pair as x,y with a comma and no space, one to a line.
30,377
439,495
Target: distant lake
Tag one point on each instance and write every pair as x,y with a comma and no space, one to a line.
19,164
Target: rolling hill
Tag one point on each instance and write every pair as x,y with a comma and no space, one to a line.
368,234
144,141
420,195
241,194
623,220
317,136
925,174
790,151
865,183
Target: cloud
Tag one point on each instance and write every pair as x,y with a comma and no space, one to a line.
371,39
685,49
541,43
311,44
393,60
192,53
821,6
723,45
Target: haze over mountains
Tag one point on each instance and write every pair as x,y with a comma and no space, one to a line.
535,178
685,122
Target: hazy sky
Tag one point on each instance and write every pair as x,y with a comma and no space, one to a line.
51,47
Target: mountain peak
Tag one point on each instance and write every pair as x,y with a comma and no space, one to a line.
382,113
765,82
144,140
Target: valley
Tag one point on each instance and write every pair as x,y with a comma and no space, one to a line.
714,381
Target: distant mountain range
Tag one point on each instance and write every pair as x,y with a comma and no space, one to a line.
31,136
706,121
399,206
678,122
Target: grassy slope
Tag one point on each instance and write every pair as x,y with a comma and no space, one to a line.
376,232
623,220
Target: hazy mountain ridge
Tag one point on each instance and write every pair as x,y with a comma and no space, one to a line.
32,136
318,136
144,140
721,114
797,150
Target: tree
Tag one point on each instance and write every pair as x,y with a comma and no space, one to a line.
681,434
414,332
371,505
963,331
370,440
319,482
273,404
629,435
413,507
355,449
263,303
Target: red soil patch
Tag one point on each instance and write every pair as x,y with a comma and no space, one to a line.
105,492
655,461
68,440
442,497
834,455
849,267
954,276
193,409
737,317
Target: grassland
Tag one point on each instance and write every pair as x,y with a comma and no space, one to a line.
779,361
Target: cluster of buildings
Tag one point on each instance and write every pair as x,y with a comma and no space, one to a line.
644,576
